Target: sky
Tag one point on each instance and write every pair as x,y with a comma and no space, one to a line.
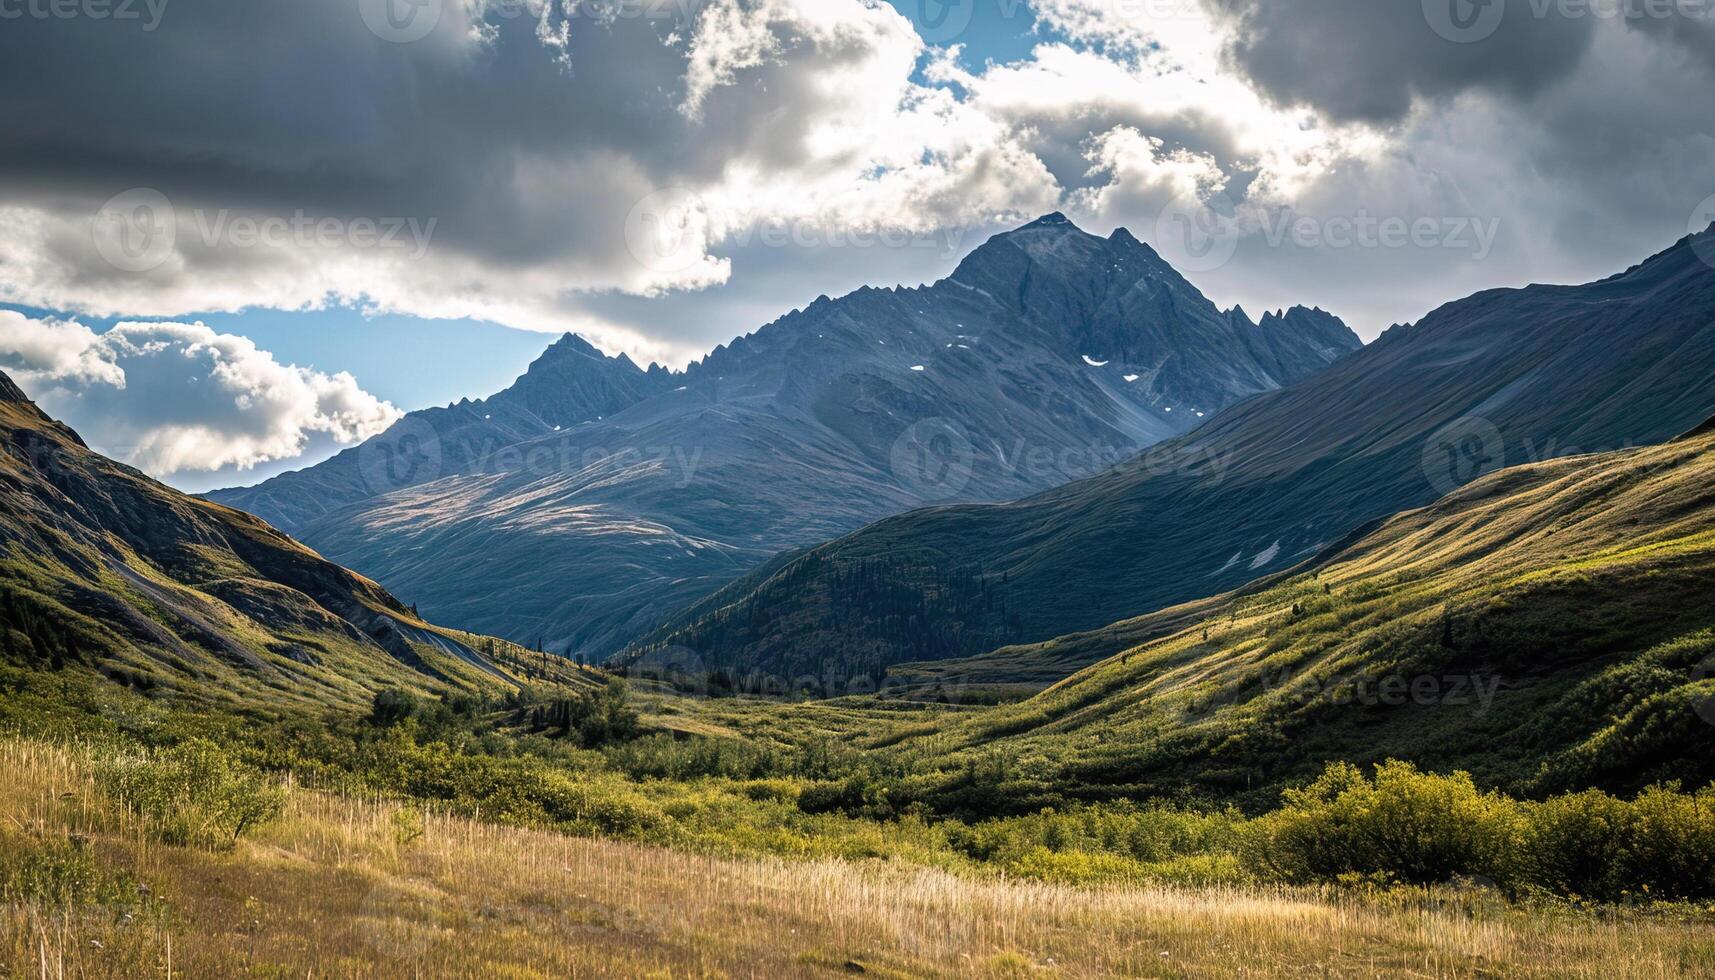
236,237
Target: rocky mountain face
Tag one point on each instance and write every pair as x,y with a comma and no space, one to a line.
586,504
102,567
1507,376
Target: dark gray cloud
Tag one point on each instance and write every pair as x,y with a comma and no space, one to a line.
1370,60
529,131
299,105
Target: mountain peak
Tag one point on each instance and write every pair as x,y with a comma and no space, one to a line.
1054,220
573,381
1311,322
572,343
1066,246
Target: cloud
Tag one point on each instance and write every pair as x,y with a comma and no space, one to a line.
55,352
1140,178
1372,60
633,176
534,136
175,398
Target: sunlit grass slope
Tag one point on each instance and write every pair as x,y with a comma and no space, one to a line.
1549,627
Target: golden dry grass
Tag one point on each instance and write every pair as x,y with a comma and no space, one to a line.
330,890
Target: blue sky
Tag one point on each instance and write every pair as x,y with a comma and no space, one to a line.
999,30
410,361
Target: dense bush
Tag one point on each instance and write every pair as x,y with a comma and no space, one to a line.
392,706
59,873
192,794
1107,842
1402,825
662,756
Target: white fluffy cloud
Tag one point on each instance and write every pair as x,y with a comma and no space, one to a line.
176,398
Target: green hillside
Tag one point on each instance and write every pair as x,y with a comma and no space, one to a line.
1549,627
190,603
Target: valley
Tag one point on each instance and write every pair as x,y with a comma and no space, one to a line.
1050,489
213,731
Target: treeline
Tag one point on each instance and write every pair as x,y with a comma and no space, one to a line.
854,620
33,636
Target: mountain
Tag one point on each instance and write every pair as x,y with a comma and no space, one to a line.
1049,354
103,569
571,383
1548,628
1506,376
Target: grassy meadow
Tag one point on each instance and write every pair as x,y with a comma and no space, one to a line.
341,886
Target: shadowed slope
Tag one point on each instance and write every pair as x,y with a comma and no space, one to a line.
103,568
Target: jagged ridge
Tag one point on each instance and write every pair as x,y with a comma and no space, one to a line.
1048,355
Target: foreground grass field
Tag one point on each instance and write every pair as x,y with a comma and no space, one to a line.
342,887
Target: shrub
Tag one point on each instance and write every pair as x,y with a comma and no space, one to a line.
1574,844
663,756
1404,825
1591,845
192,794
1669,845
60,873
1105,842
